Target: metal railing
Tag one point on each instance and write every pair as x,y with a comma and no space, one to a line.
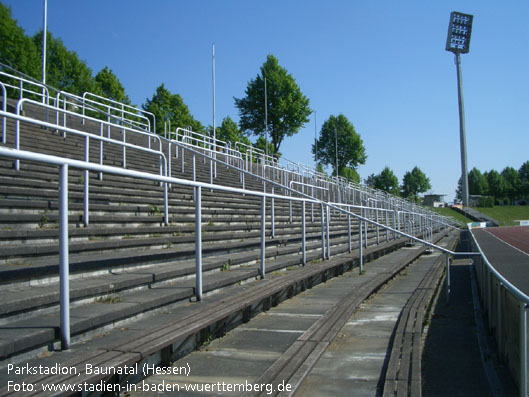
125,110
65,164
165,180
505,305
88,136
102,124
339,188
21,89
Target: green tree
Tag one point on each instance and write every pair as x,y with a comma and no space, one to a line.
170,107
523,173
64,70
413,183
351,151
496,184
261,144
387,182
459,190
477,183
288,108
370,181
110,87
512,183
229,132
350,174
17,49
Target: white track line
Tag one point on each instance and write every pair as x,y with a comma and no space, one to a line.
505,242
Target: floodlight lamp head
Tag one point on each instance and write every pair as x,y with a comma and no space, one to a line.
459,31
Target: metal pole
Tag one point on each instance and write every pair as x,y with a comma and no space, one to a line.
336,142
86,182
273,215
198,242
462,137
303,235
360,247
64,258
315,142
328,233
266,119
45,29
263,240
349,233
214,127
323,253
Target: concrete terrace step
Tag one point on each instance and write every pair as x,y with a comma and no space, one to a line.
173,332
128,294
42,266
229,236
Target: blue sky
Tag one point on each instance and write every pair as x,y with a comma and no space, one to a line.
380,63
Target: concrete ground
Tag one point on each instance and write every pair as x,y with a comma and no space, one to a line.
452,363
354,364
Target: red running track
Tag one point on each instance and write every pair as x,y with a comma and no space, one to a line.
517,236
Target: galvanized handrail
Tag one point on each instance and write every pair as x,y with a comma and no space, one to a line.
124,129
65,163
88,136
4,108
21,88
132,110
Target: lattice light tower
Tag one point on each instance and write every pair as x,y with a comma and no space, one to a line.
458,42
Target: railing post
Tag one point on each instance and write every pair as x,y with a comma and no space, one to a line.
86,182
366,230
323,253
198,242
211,172
123,132
349,233
4,120
183,167
101,132
263,239
523,349
378,231
303,235
166,203
387,224
290,208
360,247
328,220
64,258
273,215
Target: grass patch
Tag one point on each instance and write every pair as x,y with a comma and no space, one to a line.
16,262
108,299
506,215
450,213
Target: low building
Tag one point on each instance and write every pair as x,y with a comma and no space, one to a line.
434,200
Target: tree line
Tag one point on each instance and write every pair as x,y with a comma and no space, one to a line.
285,112
506,187
414,182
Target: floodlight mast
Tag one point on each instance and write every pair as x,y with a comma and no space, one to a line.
458,42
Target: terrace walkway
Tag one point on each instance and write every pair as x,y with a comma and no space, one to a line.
356,352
